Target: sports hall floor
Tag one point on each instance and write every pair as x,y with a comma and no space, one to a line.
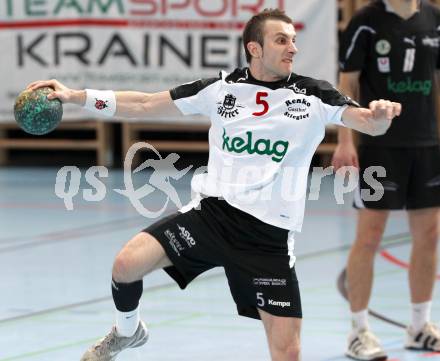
55,275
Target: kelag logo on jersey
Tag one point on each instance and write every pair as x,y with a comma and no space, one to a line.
228,109
261,146
409,86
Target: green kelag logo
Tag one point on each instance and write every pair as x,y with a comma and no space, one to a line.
261,146
409,86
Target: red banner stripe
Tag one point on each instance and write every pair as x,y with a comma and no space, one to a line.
179,24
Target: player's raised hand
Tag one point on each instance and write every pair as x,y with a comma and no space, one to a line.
63,93
382,113
374,120
385,109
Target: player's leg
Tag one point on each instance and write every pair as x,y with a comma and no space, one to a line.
180,245
372,218
393,174
362,344
267,288
283,336
141,255
424,221
370,227
264,284
424,226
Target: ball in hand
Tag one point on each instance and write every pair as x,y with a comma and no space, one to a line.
36,114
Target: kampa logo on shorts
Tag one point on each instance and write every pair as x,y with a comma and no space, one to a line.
409,86
278,303
261,146
184,233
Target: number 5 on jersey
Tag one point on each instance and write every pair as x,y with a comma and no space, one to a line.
260,101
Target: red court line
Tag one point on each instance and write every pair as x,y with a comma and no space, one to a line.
431,354
392,259
146,23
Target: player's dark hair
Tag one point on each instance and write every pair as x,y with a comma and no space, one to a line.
254,29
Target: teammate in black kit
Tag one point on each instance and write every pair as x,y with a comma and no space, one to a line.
390,50
264,119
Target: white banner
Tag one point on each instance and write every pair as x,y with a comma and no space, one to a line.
148,45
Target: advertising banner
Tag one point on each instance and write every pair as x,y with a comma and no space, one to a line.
146,45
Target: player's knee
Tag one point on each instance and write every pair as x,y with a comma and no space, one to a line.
433,234
292,353
428,239
367,244
288,350
369,241
121,268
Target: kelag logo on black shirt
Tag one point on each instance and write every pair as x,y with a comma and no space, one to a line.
409,86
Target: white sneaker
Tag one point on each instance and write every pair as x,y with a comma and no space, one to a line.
107,348
427,339
364,345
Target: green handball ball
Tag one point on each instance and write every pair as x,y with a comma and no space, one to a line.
36,114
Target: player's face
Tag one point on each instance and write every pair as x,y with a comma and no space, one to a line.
278,48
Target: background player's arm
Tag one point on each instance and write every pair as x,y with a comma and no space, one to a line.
348,85
345,153
130,104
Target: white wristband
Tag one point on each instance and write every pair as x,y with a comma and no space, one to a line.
101,102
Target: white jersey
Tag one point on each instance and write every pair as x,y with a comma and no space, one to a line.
261,140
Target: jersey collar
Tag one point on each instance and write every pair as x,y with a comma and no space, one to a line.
269,84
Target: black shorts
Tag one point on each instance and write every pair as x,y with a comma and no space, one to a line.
254,255
412,178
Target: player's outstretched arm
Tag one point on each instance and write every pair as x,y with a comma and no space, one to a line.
127,104
373,121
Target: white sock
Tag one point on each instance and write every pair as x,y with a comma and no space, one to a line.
421,314
127,322
360,320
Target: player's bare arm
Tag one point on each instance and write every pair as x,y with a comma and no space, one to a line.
130,104
373,121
